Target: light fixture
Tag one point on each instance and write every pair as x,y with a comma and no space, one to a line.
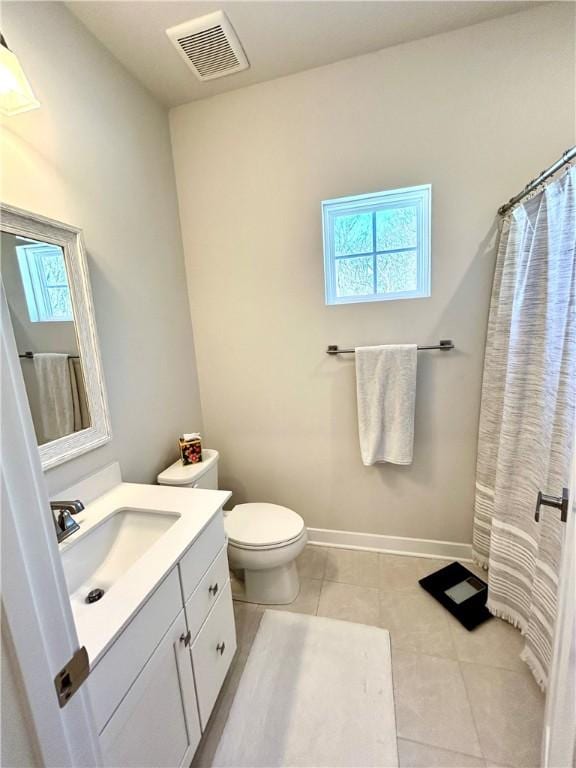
15,92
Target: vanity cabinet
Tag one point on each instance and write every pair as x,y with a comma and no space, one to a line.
154,689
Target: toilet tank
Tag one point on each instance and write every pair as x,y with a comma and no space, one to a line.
204,474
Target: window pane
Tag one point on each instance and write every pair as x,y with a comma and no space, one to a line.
60,306
396,228
53,267
377,246
353,234
396,272
354,277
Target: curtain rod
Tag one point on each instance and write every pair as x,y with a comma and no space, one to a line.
570,154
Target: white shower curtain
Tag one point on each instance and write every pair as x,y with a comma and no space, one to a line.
527,413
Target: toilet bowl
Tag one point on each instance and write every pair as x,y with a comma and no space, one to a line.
264,540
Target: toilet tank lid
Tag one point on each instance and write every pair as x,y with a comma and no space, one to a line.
180,474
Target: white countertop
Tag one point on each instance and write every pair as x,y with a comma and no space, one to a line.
99,624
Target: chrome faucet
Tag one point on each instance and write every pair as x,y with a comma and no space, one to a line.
62,512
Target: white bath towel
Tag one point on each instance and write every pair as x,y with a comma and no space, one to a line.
386,390
55,391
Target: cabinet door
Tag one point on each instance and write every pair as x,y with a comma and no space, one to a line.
212,653
118,669
156,724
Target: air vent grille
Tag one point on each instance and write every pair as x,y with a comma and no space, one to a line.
209,51
209,46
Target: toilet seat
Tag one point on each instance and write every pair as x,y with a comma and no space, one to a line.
263,526
265,547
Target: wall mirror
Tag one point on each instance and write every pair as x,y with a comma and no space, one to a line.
47,288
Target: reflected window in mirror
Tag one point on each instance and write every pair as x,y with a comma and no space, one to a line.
44,280
35,278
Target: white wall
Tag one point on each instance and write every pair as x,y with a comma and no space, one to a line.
475,112
97,155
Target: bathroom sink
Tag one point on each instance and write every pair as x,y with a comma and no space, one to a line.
131,536
96,561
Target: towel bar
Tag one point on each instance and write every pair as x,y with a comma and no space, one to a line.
444,345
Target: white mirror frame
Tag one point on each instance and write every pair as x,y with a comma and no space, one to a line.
18,222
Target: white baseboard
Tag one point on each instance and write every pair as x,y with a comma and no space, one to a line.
396,545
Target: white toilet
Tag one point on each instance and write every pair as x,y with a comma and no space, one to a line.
264,540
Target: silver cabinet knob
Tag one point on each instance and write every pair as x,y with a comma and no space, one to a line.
213,589
220,647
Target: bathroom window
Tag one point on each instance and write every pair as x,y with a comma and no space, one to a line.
377,246
45,282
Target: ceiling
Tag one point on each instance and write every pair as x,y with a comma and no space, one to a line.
279,37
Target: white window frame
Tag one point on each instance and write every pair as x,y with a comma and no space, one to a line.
34,282
419,196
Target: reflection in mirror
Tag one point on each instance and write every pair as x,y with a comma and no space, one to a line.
36,283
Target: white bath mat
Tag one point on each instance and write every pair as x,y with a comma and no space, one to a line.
315,692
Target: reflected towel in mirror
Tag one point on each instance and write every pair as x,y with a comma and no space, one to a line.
56,394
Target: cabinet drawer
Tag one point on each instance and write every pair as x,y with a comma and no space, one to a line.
157,725
120,665
212,652
197,559
207,592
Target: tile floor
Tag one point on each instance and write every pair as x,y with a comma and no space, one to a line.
462,698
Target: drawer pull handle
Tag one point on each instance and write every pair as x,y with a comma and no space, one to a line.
220,647
213,589
185,638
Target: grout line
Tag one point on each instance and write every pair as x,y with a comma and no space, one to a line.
469,700
351,584
408,652
450,751
318,598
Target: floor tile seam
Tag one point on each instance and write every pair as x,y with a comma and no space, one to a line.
470,706
435,746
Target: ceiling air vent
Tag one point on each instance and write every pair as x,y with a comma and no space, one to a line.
209,46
